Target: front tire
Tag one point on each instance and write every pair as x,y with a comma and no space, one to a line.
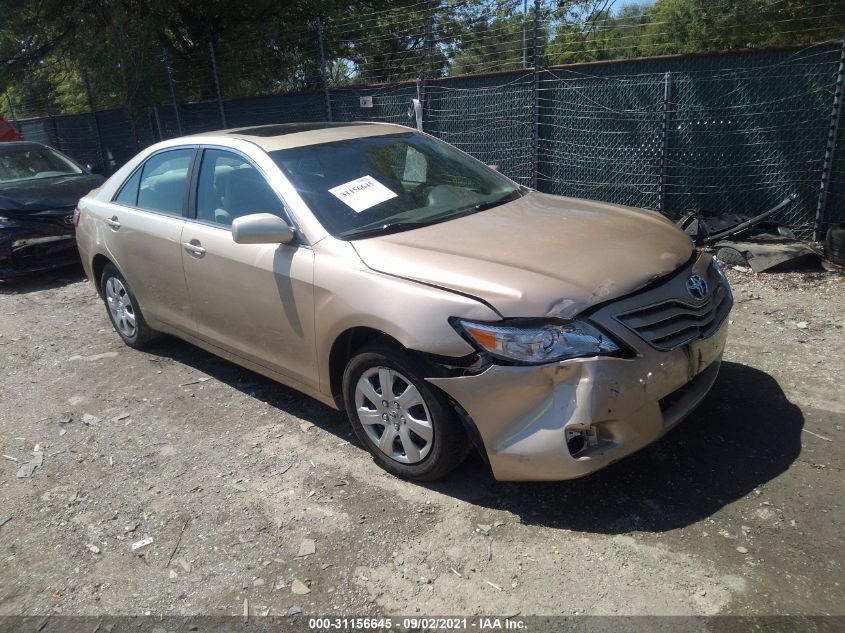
123,310
408,426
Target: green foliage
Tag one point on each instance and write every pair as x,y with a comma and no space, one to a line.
57,56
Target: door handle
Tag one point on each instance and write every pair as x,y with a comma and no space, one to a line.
113,223
194,249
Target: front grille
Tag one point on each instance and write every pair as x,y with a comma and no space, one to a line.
670,324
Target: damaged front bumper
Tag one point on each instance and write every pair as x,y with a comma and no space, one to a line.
528,417
29,247
568,419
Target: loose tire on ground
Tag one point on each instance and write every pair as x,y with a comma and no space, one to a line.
731,256
834,244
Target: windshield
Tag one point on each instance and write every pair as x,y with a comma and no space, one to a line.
379,184
29,163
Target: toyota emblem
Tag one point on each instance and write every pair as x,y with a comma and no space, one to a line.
697,287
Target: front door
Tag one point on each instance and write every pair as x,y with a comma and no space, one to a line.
253,300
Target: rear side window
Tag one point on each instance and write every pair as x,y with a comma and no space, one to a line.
162,181
129,192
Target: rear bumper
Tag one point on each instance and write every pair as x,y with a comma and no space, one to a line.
526,415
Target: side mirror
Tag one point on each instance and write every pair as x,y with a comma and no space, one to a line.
261,228
495,168
95,169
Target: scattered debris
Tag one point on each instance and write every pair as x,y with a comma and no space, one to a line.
742,550
26,471
308,547
455,571
299,588
821,437
484,528
10,458
802,325
185,565
178,541
246,609
142,543
294,611
495,586
305,426
173,575
194,382
89,419
94,357
93,548
4,520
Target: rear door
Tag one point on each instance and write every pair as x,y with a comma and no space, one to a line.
253,300
144,235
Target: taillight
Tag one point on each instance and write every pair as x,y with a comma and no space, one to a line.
76,215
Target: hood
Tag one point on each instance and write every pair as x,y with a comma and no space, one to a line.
540,255
36,195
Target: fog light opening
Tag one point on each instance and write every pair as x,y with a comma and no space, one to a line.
581,437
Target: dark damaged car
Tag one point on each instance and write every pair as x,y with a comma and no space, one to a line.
39,190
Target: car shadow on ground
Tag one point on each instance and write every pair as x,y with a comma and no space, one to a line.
44,280
743,435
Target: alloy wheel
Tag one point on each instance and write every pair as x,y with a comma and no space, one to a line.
120,307
394,415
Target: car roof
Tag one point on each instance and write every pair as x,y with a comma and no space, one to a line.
288,135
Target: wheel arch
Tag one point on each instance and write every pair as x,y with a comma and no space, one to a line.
99,263
344,347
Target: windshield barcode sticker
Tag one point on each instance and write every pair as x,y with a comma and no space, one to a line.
362,193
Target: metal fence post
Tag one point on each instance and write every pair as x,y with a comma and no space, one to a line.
524,33
217,86
323,75
11,108
97,134
664,145
157,118
429,14
173,100
830,149
535,136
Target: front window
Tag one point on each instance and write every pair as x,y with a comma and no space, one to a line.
231,187
30,163
380,184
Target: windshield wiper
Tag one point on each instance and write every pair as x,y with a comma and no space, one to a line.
384,229
393,227
483,206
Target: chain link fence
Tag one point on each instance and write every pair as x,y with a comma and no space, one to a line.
722,133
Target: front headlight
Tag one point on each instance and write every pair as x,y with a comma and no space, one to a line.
538,343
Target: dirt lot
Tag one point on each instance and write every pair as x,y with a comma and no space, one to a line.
739,510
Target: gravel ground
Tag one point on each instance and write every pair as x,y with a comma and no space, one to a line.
236,480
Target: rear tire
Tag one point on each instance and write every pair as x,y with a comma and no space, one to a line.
123,309
416,434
